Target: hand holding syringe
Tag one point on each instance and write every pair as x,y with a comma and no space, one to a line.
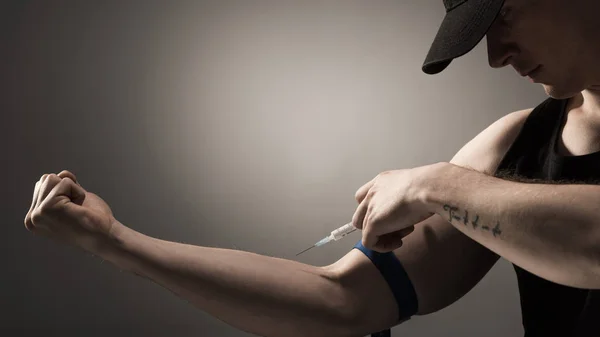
334,236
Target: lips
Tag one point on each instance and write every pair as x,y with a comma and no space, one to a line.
524,74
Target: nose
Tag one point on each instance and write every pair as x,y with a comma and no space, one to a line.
500,48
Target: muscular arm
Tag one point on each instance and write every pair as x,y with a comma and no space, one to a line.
258,294
442,263
552,231
270,296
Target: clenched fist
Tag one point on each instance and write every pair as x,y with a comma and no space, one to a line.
62,210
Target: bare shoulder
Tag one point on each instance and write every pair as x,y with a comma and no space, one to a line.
485,151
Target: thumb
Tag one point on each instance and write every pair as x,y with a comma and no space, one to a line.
67,187
67,174
393,241
77,193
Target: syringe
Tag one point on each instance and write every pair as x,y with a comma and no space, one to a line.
335,235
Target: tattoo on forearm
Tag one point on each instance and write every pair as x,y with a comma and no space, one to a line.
452,215
451,210
496,230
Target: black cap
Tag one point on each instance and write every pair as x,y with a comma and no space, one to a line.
465,24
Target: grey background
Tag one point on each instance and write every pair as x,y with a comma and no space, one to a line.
234,124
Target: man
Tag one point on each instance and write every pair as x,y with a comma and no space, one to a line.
453,220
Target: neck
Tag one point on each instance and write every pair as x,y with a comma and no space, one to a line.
588,103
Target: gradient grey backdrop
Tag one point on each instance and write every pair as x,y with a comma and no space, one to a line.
236,124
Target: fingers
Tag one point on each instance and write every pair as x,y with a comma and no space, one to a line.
28,223
66,191
68,174
359,215
37,194
391,241
34,203
44,187
59,198
34,197
361,193
48,183
374,231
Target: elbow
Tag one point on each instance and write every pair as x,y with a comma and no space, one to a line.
591,278
355,317
576,259
346,315
592,257
594,268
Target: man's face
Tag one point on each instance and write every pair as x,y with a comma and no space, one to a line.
552,38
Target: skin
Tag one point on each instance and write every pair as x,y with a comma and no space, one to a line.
241,289
524,223
560,36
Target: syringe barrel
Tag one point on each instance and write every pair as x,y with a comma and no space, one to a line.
342,231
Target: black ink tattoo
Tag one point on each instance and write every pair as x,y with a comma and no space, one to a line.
475,223
451,210
496,230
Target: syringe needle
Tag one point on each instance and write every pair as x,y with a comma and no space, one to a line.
313,246
335,235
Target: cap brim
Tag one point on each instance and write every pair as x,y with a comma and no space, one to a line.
462,29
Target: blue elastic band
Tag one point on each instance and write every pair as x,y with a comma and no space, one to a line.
394,274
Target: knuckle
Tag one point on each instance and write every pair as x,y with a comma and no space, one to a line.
371,220
369,214
67,174
386,173
366,223
29,226
64,180
28,223
37,215
355,221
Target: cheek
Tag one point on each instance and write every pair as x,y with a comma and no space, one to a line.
539,46
550,38
563,57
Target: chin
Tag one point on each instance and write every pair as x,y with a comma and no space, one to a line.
559,92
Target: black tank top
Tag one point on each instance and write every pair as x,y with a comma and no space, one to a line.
550,309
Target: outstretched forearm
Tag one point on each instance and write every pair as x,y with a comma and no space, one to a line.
552,231
262,295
